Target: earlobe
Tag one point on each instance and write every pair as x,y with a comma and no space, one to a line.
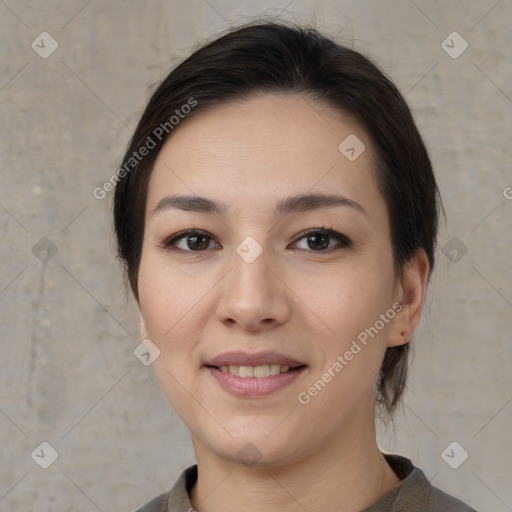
411,295
400,332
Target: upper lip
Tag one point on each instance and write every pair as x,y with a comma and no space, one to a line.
239,358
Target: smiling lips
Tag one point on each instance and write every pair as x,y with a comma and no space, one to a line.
252,375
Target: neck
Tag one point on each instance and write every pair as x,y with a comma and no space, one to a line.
346,476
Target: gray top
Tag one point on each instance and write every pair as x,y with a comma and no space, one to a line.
413,494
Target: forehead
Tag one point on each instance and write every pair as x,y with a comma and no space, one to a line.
263,148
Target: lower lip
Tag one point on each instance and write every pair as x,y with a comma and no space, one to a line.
254,386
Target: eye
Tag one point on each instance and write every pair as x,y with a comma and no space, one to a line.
318,239
197,241
194,241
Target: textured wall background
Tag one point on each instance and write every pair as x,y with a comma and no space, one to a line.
68,373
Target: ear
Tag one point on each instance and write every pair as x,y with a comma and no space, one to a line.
410,293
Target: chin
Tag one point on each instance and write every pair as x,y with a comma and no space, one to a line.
253,455
258,449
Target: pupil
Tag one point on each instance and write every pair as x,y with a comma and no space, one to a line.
195,244
321,246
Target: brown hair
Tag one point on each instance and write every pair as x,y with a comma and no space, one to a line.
281,57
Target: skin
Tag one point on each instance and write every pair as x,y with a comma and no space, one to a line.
308,304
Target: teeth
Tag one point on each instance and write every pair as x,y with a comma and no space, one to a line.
246,371
275,369
261,371
264,370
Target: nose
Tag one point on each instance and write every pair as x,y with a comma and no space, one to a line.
254,295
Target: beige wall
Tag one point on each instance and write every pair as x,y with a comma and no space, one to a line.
68,374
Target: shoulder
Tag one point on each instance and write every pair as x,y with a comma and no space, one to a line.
440,500
415,493
178,498
157,504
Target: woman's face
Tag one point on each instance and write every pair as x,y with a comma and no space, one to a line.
250,291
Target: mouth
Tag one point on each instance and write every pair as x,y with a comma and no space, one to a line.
254,375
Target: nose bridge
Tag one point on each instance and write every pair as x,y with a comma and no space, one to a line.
252,294
250,276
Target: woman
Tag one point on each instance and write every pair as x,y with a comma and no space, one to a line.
277,212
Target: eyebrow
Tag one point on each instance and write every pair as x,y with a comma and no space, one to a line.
298,203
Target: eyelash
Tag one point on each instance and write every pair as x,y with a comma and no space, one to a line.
344,241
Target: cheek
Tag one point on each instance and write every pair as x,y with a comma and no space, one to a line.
353,347
167,303
165,296
351,303
350,297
